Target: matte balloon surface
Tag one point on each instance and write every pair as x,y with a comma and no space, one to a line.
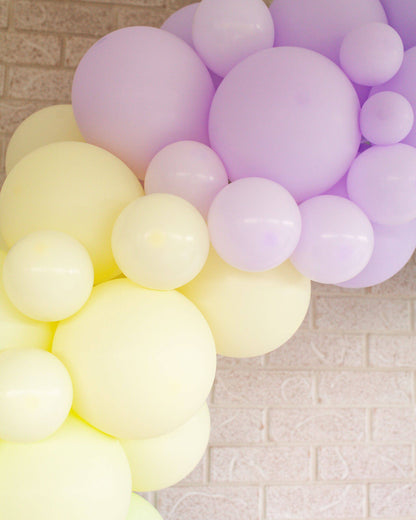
402,16
139,89
142,362
76,473
307,141
180,23
163,461
48,125
141,509
250,314
336,242
75,188
35,395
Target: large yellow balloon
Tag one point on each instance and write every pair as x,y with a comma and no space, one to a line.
35,394
140,509
16,329
76,188
141,361
78,473
250,314
163,461
48,125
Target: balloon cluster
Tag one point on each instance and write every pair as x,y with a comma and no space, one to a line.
114,299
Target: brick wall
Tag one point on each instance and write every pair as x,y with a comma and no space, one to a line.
323,428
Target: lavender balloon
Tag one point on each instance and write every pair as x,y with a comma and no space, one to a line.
336,242
382,182
393,248
139,89
254,224
402,16
189,170
286,114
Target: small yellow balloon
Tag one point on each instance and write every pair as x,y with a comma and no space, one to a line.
16,329
141,509
76,188
35,394
250,314
77,473
163,461
142,362
48,125
160,241
48,275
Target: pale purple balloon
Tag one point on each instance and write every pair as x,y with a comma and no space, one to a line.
339,189
180,24
402,16
189,170
139,89
386,118
225,32
371,54
404,83
393,248
382,182
336,242
254,224
287,114
321,25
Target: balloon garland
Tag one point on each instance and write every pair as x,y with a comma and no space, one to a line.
114,300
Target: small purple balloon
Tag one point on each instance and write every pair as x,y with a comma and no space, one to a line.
254,224
402,16
393,248
382,182
139,89
336,242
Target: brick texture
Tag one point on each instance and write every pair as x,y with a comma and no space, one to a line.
323,428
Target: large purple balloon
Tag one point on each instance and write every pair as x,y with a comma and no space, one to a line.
289,115
404,83
336,242
393,248
402,16
139,89
321,25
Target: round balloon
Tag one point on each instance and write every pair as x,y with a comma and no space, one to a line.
76,188
402,16
226,32
163,461
76,473
393,248
382,181
142,362
386,118
250,314
16,329
336,242
141,509
48,125
190,170
160,241
321,25
139,89
254,224
307,141
35,395
48,275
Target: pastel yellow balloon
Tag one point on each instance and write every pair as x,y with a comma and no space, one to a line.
76,188
35,394
77,473
141,509
250,314
48,125
48,275
163,461
16,329
142,362
160,241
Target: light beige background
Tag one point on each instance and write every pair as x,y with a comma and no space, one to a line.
324,428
